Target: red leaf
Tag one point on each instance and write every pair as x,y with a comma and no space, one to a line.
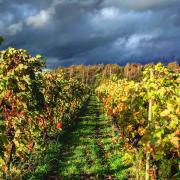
30,146
59,125
4,168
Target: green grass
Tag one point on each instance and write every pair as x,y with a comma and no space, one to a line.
86,152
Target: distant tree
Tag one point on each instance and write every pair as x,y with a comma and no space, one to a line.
1,40
133,71
174,66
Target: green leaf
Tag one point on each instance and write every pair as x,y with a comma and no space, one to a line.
165,113
174,121
159,132
170,107
159,155
38,56
27,79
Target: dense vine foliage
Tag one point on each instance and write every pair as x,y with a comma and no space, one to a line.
34,105
142,102
146,116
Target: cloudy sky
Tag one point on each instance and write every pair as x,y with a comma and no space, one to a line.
70,32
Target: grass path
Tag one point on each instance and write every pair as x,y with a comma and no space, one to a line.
87,151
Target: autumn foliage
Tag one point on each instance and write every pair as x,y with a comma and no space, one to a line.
34,105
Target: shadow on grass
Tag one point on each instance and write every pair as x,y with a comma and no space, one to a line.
82,154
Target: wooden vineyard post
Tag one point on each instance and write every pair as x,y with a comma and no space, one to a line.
110,72
87,75
137,165
83,76
147,177
71,72
148,144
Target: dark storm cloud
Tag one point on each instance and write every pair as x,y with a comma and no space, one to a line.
93,31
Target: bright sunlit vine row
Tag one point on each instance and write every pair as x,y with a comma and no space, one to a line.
146,118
